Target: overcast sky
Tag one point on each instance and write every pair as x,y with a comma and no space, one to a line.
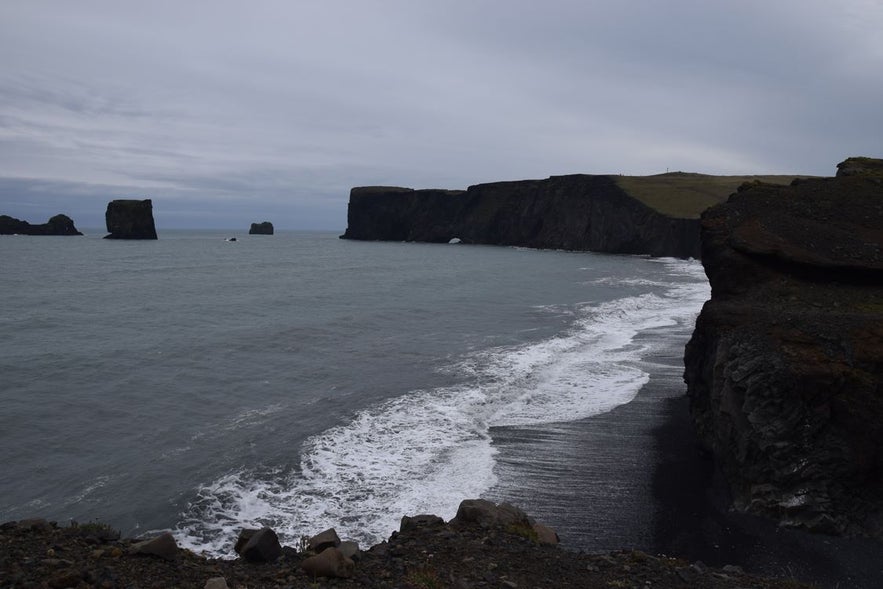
225,112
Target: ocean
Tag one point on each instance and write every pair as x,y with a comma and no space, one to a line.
300,381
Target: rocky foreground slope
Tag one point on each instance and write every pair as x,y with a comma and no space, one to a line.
784,367
652,215
484,546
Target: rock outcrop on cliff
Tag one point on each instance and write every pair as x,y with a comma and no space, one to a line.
576,212
265,228
57,225
784,367
130,219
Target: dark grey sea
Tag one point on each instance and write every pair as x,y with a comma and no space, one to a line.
301,381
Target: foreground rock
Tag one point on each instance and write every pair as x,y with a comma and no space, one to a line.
57,225
130,219
654,215
265,228
426,552
783,369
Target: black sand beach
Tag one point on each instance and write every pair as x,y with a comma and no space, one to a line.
636,478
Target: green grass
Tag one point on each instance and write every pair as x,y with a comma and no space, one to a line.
685,195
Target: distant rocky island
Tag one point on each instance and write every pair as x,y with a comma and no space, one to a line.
653,215
130,219
265,228
784,367
57,225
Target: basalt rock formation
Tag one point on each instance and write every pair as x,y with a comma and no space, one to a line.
655,215
784,367
130,219
57,225
265,228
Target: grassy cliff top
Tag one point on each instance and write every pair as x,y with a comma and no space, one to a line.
686,195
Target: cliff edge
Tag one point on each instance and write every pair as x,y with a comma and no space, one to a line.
783,369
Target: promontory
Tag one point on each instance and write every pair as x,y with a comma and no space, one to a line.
655,215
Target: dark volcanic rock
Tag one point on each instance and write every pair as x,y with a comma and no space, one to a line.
783,369
130,219
57,225
860,166
576,212
265,228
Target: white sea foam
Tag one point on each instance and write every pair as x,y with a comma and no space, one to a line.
425,451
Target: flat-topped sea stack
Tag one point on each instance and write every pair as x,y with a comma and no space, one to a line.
130,219
784,367
57,225
654,215
265,228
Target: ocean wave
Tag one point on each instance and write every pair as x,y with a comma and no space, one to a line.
425,451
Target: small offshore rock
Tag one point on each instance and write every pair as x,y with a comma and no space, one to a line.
323,540
262,546
329,563
162,546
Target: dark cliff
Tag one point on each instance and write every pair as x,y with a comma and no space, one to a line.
265,228
577,212
130,219
57,225
783,369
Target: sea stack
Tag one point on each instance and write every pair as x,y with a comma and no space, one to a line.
783,369
265,228
57,225
130,219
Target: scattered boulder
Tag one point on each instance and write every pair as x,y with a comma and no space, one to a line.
216,583
162,546
260,546
331,562
545,534
419,521
130,219
350,550
487,514
265,228
323,540
57,225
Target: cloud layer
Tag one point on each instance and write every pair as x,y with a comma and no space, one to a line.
274,109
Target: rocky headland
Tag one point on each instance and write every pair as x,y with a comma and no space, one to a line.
265,228
783,369
57,225
130,219
485,545
652,215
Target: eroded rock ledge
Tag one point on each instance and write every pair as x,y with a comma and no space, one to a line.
783,369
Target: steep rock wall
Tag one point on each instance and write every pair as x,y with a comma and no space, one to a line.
783,369
576,212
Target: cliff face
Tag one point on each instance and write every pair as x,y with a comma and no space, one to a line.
577,212
130,219
783,369
57,225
